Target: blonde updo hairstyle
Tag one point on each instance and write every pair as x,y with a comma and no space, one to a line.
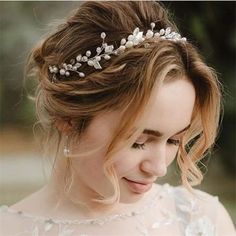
125,83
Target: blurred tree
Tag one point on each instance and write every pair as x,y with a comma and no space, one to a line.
22,25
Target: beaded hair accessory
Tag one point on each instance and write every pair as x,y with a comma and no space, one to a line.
106,50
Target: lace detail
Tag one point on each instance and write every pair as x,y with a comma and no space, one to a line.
201,227
195,212
188,216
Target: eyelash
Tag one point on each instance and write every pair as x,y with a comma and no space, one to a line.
175,142
138,145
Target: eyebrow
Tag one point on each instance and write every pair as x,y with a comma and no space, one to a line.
159,134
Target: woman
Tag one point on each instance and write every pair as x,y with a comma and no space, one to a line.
121,94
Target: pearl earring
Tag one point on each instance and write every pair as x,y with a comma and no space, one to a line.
66,148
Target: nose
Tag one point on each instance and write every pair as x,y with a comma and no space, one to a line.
155,164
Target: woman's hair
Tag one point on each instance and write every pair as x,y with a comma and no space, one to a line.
125,83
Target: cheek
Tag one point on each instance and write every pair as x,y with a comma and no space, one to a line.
171,154
88,159
128,161
90,173
125,162
90,167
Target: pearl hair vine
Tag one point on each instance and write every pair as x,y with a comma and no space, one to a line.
106,50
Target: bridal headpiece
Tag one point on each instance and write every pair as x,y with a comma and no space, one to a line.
105,51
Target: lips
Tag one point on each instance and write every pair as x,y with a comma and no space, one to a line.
138,187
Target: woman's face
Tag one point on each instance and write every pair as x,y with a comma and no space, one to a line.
148,158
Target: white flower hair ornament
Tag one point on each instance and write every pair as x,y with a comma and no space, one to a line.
106,50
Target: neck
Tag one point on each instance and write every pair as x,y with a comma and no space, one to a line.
75,203
76,198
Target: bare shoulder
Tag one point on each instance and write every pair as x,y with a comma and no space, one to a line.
11,223
12,220
224,223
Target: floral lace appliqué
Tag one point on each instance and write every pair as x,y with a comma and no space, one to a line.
200,227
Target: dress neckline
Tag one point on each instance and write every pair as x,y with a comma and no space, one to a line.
159,193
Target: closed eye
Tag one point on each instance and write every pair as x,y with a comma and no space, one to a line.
175,142
138,145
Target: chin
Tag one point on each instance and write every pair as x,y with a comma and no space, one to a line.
127,195
129,199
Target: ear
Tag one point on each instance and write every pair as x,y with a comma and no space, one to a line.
64,126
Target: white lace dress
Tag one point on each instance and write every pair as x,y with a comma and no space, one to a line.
171,211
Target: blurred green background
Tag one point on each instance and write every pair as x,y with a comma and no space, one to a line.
209,25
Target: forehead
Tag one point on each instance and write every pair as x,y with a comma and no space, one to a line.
170,112
172,106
